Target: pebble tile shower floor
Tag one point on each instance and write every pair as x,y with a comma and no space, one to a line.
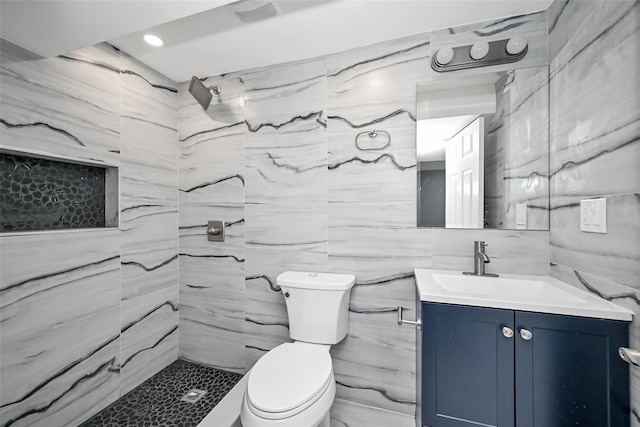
156,402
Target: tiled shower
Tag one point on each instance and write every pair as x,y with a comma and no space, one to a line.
87,315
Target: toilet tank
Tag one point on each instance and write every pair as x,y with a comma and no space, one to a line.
317,304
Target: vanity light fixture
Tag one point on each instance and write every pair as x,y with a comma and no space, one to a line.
444,55
516,44
479,50
480,54
153,40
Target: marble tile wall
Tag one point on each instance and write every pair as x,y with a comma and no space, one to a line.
595,151
211,187
274,156
148,223
85,315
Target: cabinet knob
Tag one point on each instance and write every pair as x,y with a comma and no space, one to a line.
507,332
526,334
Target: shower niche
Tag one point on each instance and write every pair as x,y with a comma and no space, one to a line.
47,193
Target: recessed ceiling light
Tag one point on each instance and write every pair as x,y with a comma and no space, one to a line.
153,40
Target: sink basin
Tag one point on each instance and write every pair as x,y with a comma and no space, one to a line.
504,287
542,294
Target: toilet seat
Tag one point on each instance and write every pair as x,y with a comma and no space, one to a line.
303,372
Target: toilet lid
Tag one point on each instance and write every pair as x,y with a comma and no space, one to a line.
300,372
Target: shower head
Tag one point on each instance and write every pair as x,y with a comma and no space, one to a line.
201,93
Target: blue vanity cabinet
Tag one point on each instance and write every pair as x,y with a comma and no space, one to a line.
497,367
569,372
467,367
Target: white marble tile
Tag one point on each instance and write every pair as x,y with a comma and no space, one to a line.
594,133
148,96
145,272
151,147
615,255
148,316
349,414
71,400
209,273
212,312
206,148
213,338
371,176
283,100
374,88
514,252
62,106
370,85
149,215
274,179
377,241
222,183
285,141
149,355
287,227
59,316
375,364
576,22
303,138
595,115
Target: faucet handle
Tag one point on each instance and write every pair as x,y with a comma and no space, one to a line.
480,244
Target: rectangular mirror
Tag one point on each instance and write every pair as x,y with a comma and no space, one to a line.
483,151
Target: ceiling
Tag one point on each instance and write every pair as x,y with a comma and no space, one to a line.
205,38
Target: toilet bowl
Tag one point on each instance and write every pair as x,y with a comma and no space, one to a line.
293,385
304,392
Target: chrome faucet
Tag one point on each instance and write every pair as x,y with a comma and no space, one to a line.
480,258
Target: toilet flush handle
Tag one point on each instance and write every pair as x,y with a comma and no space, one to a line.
286,294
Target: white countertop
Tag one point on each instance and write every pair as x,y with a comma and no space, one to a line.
542,294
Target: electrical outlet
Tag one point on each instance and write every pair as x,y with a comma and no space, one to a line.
593,215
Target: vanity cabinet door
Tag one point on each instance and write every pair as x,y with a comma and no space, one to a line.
468,366
568,373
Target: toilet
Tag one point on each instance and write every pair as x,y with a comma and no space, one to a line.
293,384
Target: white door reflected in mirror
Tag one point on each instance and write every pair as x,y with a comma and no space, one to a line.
464,193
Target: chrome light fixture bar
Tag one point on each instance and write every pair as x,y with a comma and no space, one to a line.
480,54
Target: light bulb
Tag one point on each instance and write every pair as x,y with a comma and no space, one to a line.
153,40
516,44
479,50
444,55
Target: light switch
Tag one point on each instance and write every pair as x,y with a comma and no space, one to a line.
593,215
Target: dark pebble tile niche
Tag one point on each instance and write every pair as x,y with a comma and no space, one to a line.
43,194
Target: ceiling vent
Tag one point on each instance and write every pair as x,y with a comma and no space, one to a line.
254,10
